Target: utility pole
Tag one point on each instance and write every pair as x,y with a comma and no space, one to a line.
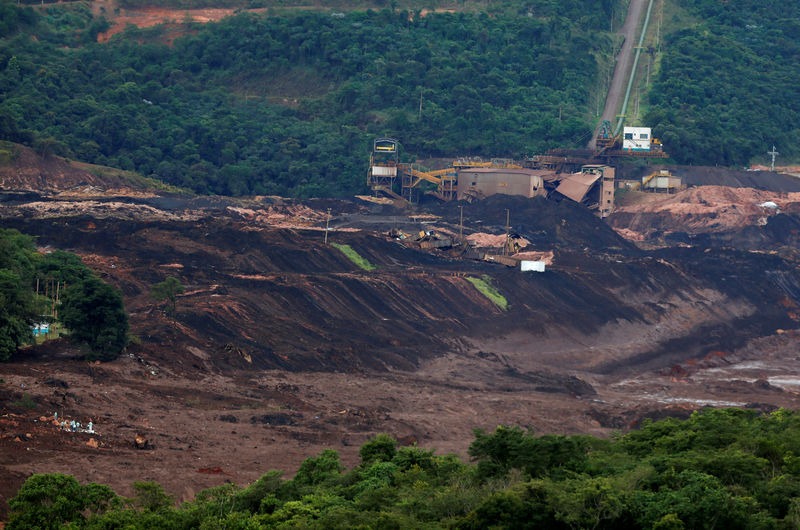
327,223
774,153
658,30
461,225
508,228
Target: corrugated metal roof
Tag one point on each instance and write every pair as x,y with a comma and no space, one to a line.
577,185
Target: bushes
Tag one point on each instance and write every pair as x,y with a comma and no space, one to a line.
50,501
94,313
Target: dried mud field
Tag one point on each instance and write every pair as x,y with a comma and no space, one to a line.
281,346
211,428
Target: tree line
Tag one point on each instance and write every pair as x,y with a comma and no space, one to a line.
727,468
288,104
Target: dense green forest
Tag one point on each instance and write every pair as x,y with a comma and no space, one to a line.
34,287
728,86
288,104
730,469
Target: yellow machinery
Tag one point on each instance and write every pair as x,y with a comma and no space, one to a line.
385,169
671,184
446,181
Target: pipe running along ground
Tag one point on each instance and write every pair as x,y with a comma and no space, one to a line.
624,107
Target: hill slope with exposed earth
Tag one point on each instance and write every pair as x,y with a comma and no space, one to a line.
281,345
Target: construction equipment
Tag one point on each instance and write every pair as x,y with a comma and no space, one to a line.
383,165
664,180
446,181
385,169
633,142
605,137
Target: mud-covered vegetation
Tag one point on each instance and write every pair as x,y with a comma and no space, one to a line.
727,87
288,104
35,287
718,469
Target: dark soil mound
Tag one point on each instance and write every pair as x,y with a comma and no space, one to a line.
543,222
716,176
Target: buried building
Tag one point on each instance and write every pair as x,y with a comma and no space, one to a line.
592,186
482,182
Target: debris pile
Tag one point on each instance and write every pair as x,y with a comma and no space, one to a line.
703,209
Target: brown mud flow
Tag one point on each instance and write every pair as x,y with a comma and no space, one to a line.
282,345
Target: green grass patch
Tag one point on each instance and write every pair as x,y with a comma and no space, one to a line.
26,402
483,285
355,257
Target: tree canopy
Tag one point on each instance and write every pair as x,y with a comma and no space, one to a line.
90,308
725,468
727,86
288,104
168,290
95,315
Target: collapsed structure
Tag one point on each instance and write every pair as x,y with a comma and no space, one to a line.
471,179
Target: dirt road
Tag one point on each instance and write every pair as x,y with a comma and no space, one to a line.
623,65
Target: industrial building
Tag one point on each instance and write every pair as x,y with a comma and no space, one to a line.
481,182
636,139
661,181
575,176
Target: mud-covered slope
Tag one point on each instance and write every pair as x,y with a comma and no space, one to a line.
282,347
27,171
716,176
545,223
279,297
713,216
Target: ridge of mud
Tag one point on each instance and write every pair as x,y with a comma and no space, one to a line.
282,299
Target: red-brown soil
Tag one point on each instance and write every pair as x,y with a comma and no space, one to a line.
152,16
30,172
282,347
701,209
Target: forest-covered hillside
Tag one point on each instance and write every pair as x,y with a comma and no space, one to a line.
288,104
728,85
729,469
